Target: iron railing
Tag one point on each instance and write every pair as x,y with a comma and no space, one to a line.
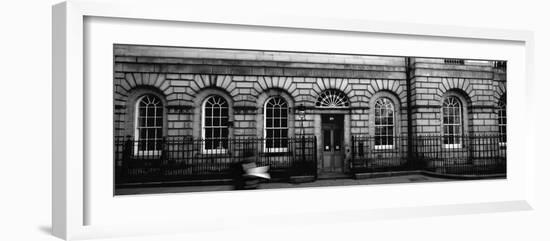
178,159
472,155
369,154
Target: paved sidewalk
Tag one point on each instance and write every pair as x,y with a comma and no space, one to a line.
319,183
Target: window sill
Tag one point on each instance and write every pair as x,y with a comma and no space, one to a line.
215,152
275,150
268,154
452,146
383,147
148,154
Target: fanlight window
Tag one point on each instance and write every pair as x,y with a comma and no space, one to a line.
452,122
149,120
384,121
502,120
276,125
215,121
332,99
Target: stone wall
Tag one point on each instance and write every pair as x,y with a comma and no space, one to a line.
186,79
478,84
183,77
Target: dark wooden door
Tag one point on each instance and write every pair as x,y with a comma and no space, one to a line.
332,131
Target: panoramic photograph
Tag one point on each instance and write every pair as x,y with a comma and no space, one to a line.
192,119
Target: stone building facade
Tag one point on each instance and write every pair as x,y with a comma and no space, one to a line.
167,92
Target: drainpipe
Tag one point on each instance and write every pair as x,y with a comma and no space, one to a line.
409,110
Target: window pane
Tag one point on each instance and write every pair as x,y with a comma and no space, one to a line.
284,143
216,133
451,130
377,140
377,131
225,121
390,121
158,132
457,119
284,133
326,141
276,112
158,121
276,134
151,133
269,142
337,140
143,134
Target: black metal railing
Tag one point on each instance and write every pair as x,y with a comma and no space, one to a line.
181,158
373,155
472,155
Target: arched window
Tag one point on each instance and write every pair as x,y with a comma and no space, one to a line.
452,122
501,112
148,125
332,99
276,124
384,121
215,131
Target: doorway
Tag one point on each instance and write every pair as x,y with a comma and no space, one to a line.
332,136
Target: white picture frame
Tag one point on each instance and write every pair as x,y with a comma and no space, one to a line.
73,190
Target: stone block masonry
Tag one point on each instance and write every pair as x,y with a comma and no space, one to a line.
185,77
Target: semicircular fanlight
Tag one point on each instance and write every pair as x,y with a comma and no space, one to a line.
332,99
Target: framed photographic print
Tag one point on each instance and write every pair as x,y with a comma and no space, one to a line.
205,118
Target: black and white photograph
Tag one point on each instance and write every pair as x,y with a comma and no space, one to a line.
190,119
